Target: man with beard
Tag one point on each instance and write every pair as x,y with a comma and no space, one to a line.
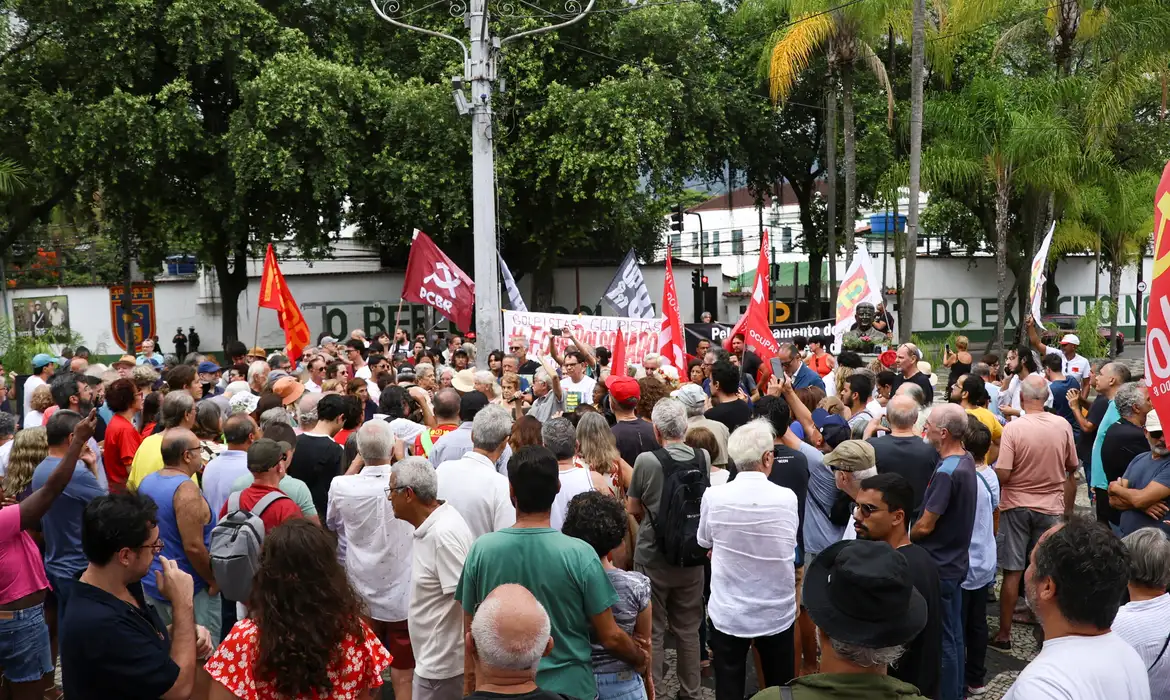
73,392
1143,492
884,506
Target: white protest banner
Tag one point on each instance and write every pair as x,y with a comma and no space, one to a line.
1040,276
640,334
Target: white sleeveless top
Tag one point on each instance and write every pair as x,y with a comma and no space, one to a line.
573,481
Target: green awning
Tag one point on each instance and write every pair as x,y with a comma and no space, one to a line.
745,280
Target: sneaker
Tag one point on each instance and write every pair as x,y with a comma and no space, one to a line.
976,692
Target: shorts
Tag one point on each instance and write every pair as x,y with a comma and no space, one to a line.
25,655
1021,529
395,636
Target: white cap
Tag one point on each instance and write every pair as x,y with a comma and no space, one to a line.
1153,425
1070,339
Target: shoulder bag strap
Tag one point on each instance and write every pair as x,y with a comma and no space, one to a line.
1160,654
427,443
269,498
664,459
786,693
234,502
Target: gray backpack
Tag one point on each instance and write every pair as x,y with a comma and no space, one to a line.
235,546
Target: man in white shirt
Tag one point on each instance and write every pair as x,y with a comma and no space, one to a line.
316,375
1144,622
220,473
43,367
441,542
1076,577
750,526
471,485
578,387
377,550
1073,363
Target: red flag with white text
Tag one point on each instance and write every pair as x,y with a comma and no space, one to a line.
1158,321
275,295
754,323
433,279
671,344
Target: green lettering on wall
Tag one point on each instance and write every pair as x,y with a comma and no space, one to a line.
937,306
987,313
373,320
336,315
1060,302
960,304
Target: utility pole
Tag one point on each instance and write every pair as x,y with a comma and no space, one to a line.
479,73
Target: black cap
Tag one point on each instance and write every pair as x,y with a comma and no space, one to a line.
265,454
470,404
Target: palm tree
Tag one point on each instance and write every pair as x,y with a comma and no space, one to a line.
844,32
917,70
11,176
1003,134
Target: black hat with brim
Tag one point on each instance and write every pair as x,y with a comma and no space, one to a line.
860,592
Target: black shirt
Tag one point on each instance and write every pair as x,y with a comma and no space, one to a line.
730,413
529,368
538,694
920,379
316,461
921,663
749,364
110,649
1122,443
634,437
790,470
912,457
1096,414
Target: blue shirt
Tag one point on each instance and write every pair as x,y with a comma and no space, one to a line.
951,495
1059,390
1097,479
819,530
161,489
806,376
982,552
1141,472
61,526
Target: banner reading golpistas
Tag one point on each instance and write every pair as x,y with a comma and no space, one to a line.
640,334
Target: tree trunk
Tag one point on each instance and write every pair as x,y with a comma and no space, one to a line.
127,289
831,180
233,280
542,284
917,69
1001,233
850,161
1114,305
816,258
1097,268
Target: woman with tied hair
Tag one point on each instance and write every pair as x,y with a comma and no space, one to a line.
597,451
29,448
209,429
304,636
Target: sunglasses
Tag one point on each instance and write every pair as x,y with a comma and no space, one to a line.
868,509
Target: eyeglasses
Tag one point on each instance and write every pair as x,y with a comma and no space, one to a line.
514,347
571,365
391,489
192,449
867,509
156,547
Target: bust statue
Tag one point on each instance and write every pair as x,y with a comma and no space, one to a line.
863,337
863,317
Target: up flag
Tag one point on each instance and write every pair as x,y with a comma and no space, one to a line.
859,285
515,301
1040,276
670,339
627,292
275,295
1157,341
432,279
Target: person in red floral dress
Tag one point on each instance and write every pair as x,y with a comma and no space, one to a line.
304,637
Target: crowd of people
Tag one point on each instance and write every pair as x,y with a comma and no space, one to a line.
552,526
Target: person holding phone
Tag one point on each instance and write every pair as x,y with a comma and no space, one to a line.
958,361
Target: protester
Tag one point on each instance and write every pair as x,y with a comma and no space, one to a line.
305,636
677,591
820,359
122,439
563,571
377,548
694,399
506,640
862,598
559,436
1074,365
318,458
43,366
1124,440
268,463
471,485
959,361
750,525
292,487
903,451
239,431
801,374
729,409
548,396
178,411
184,523
1142,494
980,581
1107,382
944,531
632,433
41,400
111,640
1037,474
907,365
1077,577
7,438
597,451
856,395
1144,622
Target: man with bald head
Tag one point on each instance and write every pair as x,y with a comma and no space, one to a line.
184,527
509,635
906,370
903,451
1037,474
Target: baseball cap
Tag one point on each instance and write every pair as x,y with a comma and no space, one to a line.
208,367
328,339
41,359
851,456
624,390
288,389
834,428
690,394
1153,423
1070,339
125,360
265,454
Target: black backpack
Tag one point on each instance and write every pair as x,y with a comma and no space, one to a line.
677,525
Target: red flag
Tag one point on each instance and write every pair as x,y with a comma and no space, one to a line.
617,363
432,279
275,295
670,338
754,323
1157,330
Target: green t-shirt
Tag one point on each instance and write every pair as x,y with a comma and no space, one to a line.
566,577
295,489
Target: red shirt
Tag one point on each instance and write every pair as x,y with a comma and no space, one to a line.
275,514
341,436
122,441
356,665
436,433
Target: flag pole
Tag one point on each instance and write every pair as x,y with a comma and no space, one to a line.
256,331
398,315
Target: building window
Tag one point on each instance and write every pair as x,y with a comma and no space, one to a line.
786,239
698,245
737,242
715,244
676,244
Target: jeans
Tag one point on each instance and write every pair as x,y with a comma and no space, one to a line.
676,596
623,685
25,656
208,612
442,689
950,686
777,656
975,635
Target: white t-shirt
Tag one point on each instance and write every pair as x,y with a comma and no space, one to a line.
574,480
1013,393
5,451
30,385
33,419
1078,366
441,544
472,486
583,390
1083,668
1145,626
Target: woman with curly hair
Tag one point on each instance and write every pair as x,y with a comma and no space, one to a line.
653,390
597,451
29,448
600,521
41,399
525,432
304,636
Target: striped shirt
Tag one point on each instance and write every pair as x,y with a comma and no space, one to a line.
1145,626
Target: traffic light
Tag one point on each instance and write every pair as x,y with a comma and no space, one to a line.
703,281
676,219
697,280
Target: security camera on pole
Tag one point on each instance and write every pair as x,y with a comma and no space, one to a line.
479,71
